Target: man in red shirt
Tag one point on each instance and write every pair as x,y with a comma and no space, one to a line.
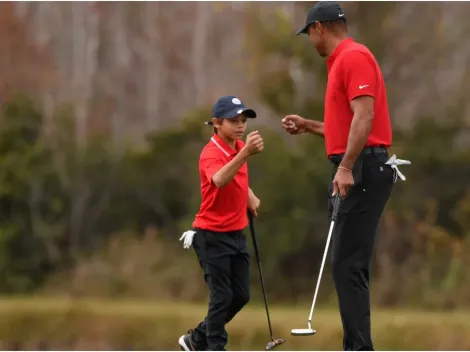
357,133
219,241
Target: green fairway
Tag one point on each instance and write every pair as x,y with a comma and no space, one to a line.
116,324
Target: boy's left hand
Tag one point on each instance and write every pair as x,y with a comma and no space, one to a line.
253,205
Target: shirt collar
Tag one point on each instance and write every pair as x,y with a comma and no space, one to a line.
224,147
341,46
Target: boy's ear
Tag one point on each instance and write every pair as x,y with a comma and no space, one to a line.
215,121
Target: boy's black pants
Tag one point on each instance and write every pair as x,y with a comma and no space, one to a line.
353,243
225,261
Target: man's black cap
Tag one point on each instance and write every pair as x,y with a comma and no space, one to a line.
321,12
229,107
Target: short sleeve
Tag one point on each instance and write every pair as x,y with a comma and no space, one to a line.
210,165
360,75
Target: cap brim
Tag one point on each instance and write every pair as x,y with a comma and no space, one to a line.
303,29
249,113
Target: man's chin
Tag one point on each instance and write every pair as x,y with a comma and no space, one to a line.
321,53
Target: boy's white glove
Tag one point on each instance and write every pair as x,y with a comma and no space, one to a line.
187,238
394,163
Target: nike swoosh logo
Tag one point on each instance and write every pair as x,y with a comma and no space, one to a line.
361,87
341,15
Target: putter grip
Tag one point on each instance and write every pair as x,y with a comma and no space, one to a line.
336,204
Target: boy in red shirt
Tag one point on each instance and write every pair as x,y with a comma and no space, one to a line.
217,234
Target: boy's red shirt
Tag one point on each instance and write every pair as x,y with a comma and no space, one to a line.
222,209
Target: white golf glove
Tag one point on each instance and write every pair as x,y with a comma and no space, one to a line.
394,163
187,238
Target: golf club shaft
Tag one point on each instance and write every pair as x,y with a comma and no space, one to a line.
325,253
336,205
258,260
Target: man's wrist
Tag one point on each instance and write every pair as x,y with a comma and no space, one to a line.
346,163
309,127
344,168
314,127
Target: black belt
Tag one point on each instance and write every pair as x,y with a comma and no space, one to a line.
336,159
375,150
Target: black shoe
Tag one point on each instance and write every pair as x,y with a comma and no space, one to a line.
186,342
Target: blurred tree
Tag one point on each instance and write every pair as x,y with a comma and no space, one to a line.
59,203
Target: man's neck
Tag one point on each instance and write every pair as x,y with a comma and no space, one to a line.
334,42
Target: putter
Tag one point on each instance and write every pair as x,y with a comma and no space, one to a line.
309,331
274,342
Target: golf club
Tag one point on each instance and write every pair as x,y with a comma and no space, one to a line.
274,342
309,331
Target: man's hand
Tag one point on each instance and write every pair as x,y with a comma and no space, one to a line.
294,124
342,182
253,203
254,143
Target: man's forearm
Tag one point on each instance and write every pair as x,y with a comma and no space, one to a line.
358,134
315,127
228,171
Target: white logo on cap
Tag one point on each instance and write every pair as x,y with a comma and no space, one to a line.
236,101
341,15
239,111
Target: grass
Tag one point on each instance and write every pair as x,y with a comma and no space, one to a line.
119,324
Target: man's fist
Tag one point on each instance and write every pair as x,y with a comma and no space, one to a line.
294,124
254,143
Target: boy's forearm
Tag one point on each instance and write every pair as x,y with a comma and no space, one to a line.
228,171
251,195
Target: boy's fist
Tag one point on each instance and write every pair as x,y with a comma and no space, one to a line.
253,205
254,143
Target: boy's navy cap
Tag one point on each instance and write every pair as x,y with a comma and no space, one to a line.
321,12
229,107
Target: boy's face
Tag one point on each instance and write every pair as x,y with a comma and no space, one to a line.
233,129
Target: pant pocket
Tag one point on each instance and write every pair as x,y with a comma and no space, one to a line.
358,169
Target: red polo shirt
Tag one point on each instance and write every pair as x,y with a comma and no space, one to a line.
222,209
352,72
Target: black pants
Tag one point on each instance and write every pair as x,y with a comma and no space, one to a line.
225,261
353,243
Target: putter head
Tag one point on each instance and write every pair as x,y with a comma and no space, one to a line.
302,332
272,344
